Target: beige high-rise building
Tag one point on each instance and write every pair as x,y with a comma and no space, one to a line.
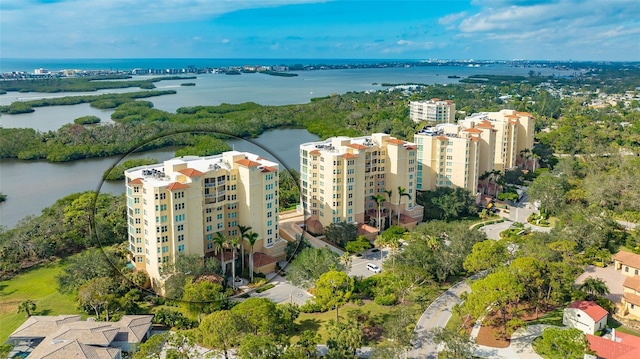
513,133
448,156
177,207
340,175
434,110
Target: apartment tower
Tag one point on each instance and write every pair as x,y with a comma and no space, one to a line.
177,207
448,156
434,110
513,133
340,175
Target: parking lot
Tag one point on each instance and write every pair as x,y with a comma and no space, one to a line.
359,264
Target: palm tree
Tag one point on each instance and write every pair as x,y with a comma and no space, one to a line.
243,235
379,199
252,238
346,260
525,154
234,245
594,287
389,193
28,306
220,241
483,177
535,157
495,174
401,192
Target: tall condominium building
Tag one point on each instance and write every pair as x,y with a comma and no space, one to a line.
514,132
434,110
448,156
339,176
177,207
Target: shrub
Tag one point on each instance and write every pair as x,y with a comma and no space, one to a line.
266,287
386,299
311,307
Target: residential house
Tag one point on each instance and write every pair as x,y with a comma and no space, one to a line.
617,346
66,336
586,316
631,296
628,263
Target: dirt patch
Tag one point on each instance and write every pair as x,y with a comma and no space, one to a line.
9,306
491,335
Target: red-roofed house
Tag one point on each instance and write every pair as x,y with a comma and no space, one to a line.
619,346
586,316
628,263
631,296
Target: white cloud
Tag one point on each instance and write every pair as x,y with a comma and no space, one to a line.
225,41
451,18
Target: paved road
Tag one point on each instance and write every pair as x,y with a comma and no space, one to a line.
436,315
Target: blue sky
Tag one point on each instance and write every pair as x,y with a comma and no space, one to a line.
419,29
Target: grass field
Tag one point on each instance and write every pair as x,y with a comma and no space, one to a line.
39,285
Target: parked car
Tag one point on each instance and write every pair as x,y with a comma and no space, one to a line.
373,267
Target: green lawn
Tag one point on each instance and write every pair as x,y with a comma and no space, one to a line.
315,321
612,323
554,317
39,285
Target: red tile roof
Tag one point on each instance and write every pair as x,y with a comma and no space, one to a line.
484,125
314,152
443,138
593,310
350,155
475,139
632,283
248,163
527,114
631,298
266,169
411,147
625,346
396,141
357,146
628,259
260,259
510,116
136,181
191,172
176,185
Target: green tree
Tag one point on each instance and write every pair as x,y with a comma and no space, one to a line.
259,347
244,231
252,238
219,240
27,306
379,199
341,233
456,344
306,347
360,244
97,294
221,331
259,316
594,287
550,190
389,195
485,255
152,347
204,297
399,326
402,192
344,338
310,264
562,343
333,289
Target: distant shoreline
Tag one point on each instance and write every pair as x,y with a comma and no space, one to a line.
16,68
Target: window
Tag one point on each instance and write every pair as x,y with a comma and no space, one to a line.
177,206
177,195
626,269
181,248
180,217
180,237
136,200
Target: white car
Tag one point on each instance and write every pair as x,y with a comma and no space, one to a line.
373,267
